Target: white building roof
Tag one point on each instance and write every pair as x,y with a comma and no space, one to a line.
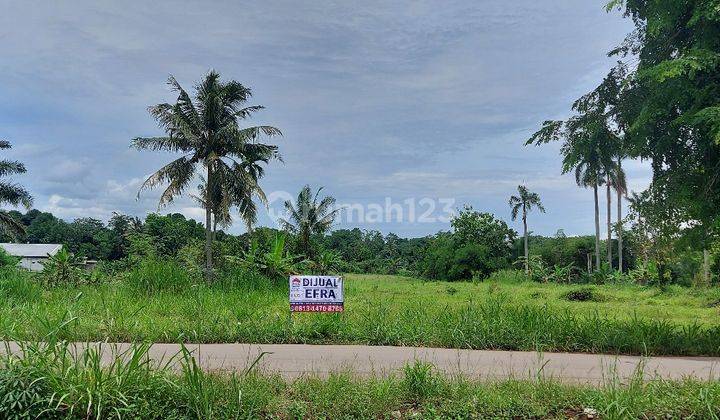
31,250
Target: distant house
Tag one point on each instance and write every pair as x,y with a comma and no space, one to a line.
32,256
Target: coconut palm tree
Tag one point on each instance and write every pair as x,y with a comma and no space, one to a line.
525,201
309,217
220,212
225,191
12,194
205,130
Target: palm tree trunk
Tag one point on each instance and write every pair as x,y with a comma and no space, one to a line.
527,251
214,227
619,229
208,227
609,222
597,226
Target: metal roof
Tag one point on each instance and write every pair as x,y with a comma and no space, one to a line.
31,250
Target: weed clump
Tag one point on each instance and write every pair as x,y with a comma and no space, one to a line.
585,294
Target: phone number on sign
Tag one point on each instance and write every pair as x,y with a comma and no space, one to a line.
314,307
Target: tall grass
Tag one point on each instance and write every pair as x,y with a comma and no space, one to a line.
54,380
159,302
17,287
159,275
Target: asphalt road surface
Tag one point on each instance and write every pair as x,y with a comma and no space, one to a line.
294,360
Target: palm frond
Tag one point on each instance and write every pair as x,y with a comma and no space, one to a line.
15,195
171,144
177,173
11,226
8,167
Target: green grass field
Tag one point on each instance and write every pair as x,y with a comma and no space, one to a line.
501,313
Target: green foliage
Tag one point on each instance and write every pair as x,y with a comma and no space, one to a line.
62,269
55,382
7,260
472,226
668,105
18,286
326,262
421,382
24,393
309,217
585,294
276,263
539,271
371,252
12,194
479,245
206,128
159,275
168,234
504,312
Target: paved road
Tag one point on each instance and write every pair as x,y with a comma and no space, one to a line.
293,360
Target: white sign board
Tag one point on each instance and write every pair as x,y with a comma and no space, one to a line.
316,294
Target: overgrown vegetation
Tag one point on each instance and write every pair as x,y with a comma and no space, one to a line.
159,302
49,382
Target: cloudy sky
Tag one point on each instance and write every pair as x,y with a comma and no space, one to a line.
379,102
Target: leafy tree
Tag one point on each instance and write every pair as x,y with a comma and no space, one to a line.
523,203
672,104
478,245
12,193
169,233
205,129
123,226
656,228
471,226
308,217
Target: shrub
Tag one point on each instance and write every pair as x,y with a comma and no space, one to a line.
23,393
61,269
277,263
153,275
420,381
585,294
7,260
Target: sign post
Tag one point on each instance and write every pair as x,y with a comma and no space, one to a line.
316,294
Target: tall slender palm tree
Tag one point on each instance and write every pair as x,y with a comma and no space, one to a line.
206,131
587,174
309,217
12,193
525,201
618,182
584,151
614,180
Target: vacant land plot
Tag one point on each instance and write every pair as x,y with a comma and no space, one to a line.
380,310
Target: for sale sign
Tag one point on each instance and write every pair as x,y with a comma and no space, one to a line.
316,294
